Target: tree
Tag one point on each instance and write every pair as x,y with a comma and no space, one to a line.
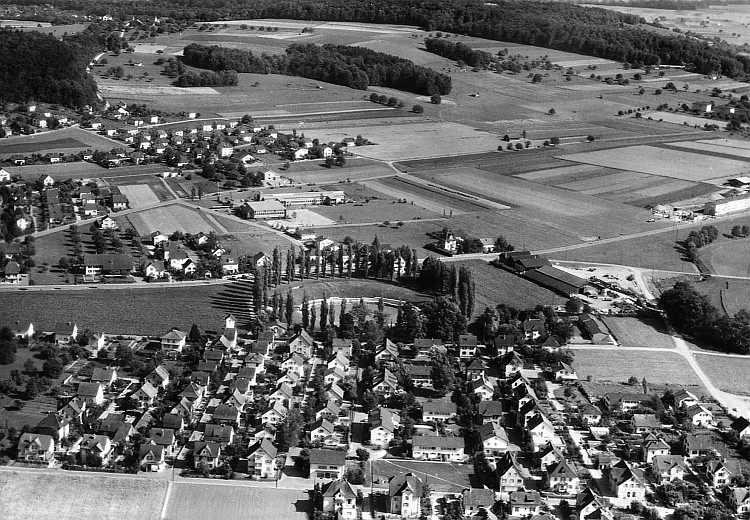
7,346
417,109
737,231
435,99
443,375
305,311
323,312
64,264
289,311
52,368
574,305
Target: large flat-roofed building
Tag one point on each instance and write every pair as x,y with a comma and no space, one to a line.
266,209
722,207
308,198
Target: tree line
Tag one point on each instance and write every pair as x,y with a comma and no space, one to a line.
224,78
692,313
458,51
354,67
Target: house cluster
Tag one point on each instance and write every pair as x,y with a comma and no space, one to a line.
188,257
34,117
450,242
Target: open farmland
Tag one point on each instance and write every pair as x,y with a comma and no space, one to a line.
618,366
198,501
494,286
660,161
728,257
313,172
139,196
375,210
727,373
66,140
60,171
129,310
77,496
429,196
171,218
727,295
714,148
245,238
639,332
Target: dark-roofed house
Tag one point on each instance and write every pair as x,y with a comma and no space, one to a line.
742,427
491,411
668,468
107,264
591,506
151,457
90,393
476,500
562,478
95,445
623,401
302,344
223,434
523,503
206,453
34,447
54,425
105,376
494,440
739,500
327,465
533,328
340,499
405,493
593,329
438,410
701,444
434,447
65,332
262,456
510,474
626,482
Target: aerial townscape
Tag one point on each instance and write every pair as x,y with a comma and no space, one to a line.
322,259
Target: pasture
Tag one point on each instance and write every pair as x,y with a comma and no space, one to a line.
728,257
676,164
247,238
169,219
71,496
139,196
729,296
374,211
714,148
65,140
356,169
430,196
60,171
618,366
639,332
200,500
727,373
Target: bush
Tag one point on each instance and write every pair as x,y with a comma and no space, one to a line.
435,99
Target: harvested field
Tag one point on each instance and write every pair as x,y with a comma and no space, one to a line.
494,286
554,173
442,477
728,373
66,140
314,172
376,210
611,365
60,171
439,202
663,162
139,196
636,332
729,143
197,501
728,257
719,149
308,218
155,90
73,496
169,219
429,139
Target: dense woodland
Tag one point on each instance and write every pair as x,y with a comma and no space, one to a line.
354,67
36,66
555,25
692,313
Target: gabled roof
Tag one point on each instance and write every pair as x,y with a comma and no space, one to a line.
327,457
161,372
435,441
264,446
162,436
53,421
207,449
44,442
561,469
490,408
491,431
156,450
532,498
438,406
382,417
476,497
174,335
662,463
148,389
507,463
323,423
740,424
89,389
622,472
218,432
400,483
339,487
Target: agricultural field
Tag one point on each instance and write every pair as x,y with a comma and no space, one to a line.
351,289
356,169
442,477
31,413
727,373
139,196
611,365
197,501
376,210
728,257
494,286
60,171
129,310
66,140
171,218
729,296
639,332
82,495
246,238
714,148
663,162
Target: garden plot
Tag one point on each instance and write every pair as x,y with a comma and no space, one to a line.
660,161
139,195
170,219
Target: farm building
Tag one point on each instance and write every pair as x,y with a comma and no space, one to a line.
265,209
557,280
305,198
722,207
107,264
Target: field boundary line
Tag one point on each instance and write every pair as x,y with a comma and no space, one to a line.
166,501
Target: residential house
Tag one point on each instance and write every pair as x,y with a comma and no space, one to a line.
294,363
321,430
339,360
667,468
183,409
510,474
226,414
590,414
342,346
718,473
626,482
591,506
541,430
193,392
90,393
385,383
653,447
283,394
482,388
73,410
443,449
55,425
65,333
159,377
382,427
262,456
477,502
491,411
105,376
330,410
34,447
549,456
645,422
533,328
561,478
738,499
165,438
699,415
151,457
623,401
302,344
438,410
494,440
564,373
405,495
701,444
95,446
386,351
420,374
206,454
274,415
684,398
145,395
524,503
326,465
467,346
742,427
475,369
221,433
173,341
340,500
290,377
334,375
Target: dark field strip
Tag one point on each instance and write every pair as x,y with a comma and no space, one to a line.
698,190
33,147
